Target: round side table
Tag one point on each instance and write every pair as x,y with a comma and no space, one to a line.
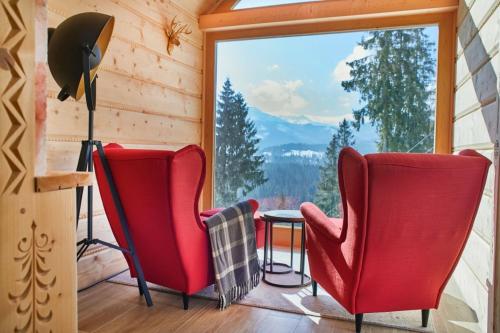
299,278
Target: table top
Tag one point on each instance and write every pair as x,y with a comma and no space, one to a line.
283,216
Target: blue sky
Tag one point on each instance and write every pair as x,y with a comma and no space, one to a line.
297,78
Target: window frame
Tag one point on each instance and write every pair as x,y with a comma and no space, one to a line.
445,74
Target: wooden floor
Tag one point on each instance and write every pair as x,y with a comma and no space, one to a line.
110,307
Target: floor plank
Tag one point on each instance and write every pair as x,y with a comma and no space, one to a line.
213,320
109,307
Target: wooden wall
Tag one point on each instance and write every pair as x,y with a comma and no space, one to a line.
38,274
476,126
145,99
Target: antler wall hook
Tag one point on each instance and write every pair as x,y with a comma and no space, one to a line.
173,30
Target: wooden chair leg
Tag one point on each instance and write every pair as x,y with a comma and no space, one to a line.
425,317
315,288
185,300
359,322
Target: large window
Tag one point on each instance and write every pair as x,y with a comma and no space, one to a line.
286,106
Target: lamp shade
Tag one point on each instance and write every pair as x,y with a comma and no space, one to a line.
66,48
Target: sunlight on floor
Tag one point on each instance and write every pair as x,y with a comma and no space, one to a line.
468,326
296,300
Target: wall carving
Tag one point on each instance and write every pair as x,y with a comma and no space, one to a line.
33,299
11,98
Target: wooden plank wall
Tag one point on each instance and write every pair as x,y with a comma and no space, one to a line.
38,274
476,127
146,99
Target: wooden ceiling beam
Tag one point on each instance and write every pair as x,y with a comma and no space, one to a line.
224,6
321,11
214,8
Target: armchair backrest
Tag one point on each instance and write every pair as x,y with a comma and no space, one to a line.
353,185
410,216
159,191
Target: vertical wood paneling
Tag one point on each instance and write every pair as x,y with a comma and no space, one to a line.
38,273
17,124
145,99
476,126
56,212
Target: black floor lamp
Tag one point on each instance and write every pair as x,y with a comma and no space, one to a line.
76,48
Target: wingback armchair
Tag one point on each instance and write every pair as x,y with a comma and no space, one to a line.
406,220
159,191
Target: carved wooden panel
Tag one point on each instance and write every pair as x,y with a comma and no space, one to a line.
36,280
14,33
37,234
55,211
16,141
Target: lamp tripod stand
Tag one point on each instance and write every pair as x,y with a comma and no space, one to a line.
85,163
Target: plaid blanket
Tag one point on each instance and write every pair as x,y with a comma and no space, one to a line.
234,252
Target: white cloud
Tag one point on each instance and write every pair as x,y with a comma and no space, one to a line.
347,101
273,67
342,70
281,98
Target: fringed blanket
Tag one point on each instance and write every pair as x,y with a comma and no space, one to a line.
234,252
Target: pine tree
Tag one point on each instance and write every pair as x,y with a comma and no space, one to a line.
239,169
327,194
346,136
395,83
327,197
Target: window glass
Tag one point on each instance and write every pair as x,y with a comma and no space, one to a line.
287,106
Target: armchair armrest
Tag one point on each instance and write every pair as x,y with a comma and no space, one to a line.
213,211
210,212
320,223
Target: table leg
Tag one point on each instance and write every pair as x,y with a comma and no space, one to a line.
302,254
265,249
291,248
271,244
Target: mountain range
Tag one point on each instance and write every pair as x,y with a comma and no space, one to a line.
277,134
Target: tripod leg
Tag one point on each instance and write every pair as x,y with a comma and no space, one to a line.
81,166
140,288
90,212
140,278
123,223
81,251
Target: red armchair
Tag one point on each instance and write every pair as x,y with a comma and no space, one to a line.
406,221
159,191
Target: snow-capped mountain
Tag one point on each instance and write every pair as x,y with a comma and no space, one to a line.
277,132
295,152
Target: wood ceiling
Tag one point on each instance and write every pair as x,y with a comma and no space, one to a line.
198,7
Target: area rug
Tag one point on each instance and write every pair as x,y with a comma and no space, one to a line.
301,301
